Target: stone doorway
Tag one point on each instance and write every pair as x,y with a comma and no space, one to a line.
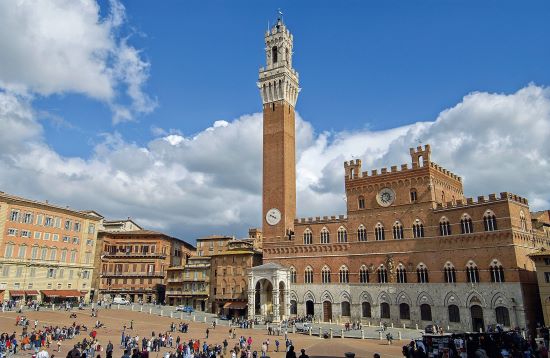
477,318
327,311
310,308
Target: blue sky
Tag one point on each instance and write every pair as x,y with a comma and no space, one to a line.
150,110
373,64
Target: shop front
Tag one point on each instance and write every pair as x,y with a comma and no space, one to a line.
234,309
62,296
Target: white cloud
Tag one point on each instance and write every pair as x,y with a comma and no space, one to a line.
64,46
211,182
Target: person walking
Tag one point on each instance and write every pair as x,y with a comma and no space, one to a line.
291,353
207,332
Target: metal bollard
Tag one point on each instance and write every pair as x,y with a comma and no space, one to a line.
132,308
310,331
141,308
330,333
320,333
204,319
404,326
171,314
150,311
362,334
448,328
194,318
330,321
181,316
369,323
379,335
293,329
416,326
392,325
342,333
161,313
117,307
399,335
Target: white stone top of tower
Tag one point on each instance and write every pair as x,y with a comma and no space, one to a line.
278,80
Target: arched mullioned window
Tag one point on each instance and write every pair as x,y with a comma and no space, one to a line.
472,273
342,234
292,274
466,224
401,274
344,274
422,273
361,202
308,237
418,229
364,274
361,233
397,231
449,273
523,221
497,271
379,232
490,221
325,274
444,227
308,275
325,236
382,274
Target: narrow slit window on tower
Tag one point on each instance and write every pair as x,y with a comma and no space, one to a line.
274,54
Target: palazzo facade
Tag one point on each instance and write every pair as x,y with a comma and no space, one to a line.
411,249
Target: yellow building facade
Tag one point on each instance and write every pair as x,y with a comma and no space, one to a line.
47,251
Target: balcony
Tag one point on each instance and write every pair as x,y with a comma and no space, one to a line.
133,274
132,255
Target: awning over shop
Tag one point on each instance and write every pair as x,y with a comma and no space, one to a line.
17,293
236,305
62,293
31,292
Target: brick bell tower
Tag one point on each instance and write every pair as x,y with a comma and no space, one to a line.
278,84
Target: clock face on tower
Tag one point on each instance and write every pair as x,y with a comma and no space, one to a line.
273,216
385,197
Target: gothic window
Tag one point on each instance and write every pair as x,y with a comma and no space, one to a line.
397,231
325,275
444,227
287,57
449,273
379,232
425,312
325,236
418,229
364,274
497,272
490,221
292,274
344,274
384,310
523,221
472,273
361,202
404,311
308,237
274,54
342,234
382,274
466,225
361,233
413,195
422,274
401,274
503,316
308,275
454,314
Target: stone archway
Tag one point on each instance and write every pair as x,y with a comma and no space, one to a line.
268,293
327,311
310,308
477,318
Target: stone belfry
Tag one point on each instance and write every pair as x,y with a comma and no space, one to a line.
278,84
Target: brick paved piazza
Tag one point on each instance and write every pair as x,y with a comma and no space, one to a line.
144,324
